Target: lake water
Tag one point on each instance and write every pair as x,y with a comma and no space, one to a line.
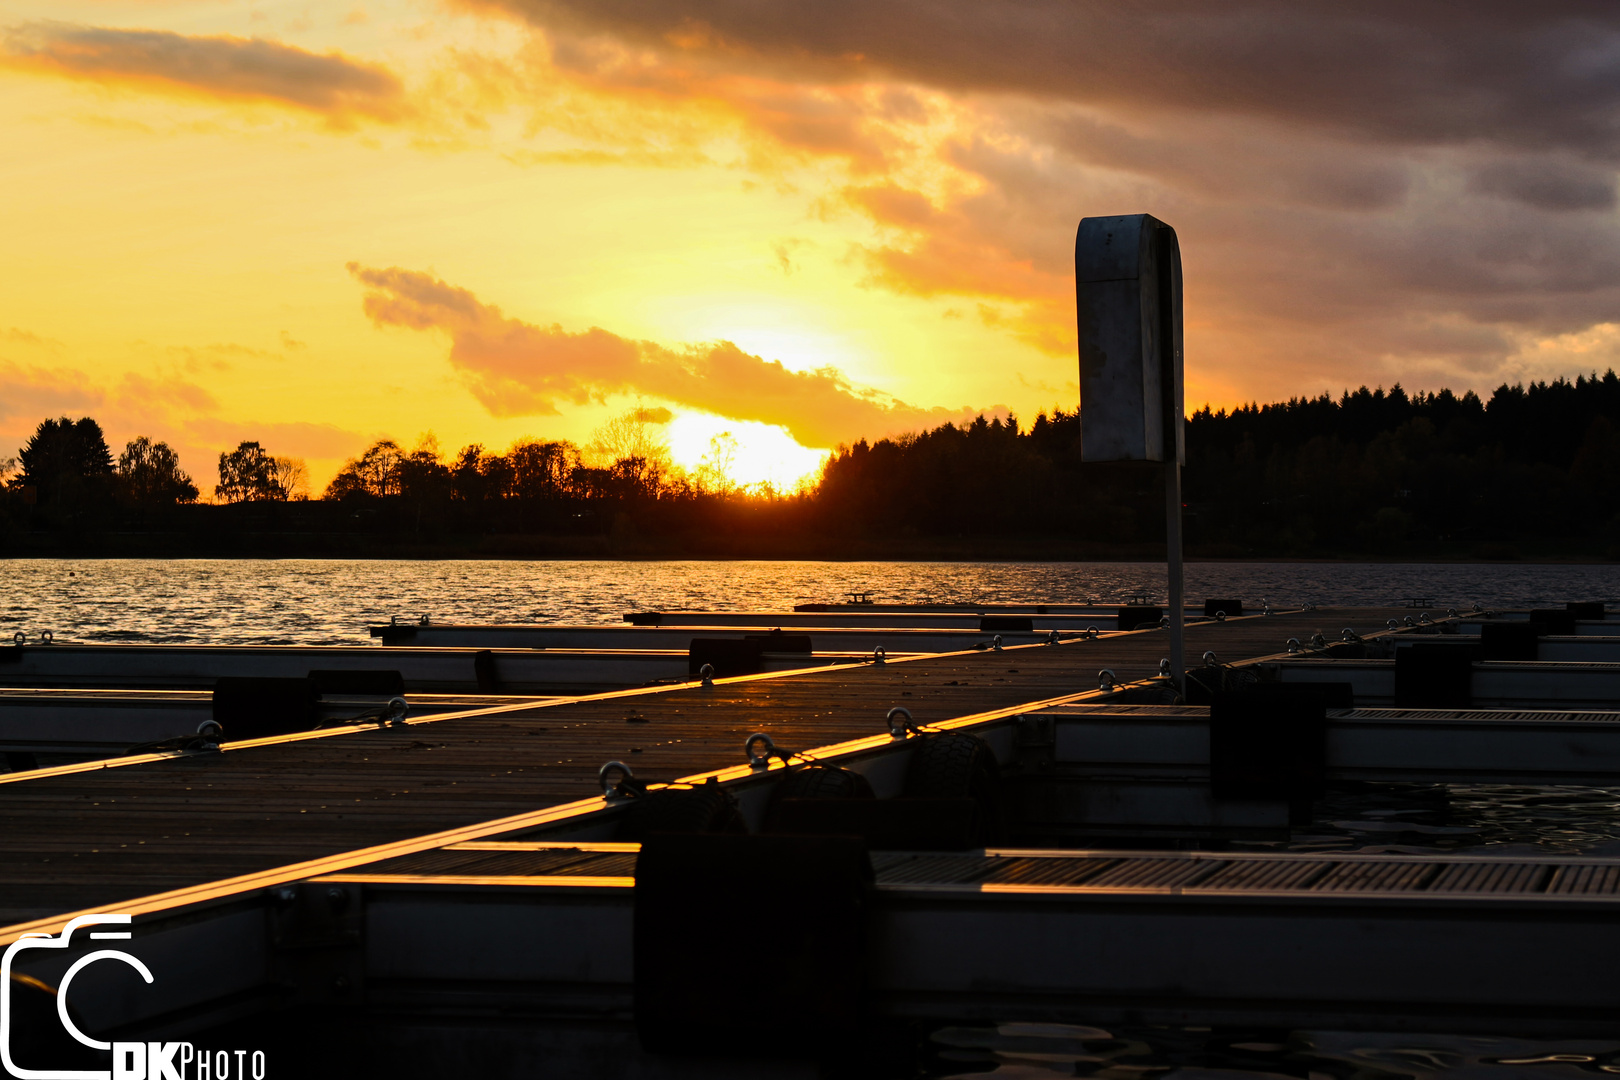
328,602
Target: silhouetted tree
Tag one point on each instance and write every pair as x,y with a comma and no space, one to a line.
291,478
634,451
714,471
68,464
248,474
375,473
467,481
149,474
540,470
425,483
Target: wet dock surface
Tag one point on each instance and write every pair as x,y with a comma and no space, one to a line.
79,839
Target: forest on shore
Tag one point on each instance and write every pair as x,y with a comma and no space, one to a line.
1531,472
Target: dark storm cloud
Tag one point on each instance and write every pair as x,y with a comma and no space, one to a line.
1545,74
1219,158
1547,185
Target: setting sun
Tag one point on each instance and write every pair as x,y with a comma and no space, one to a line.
757,453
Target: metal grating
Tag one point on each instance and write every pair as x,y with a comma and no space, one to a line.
883,861
1048,872
1585,881
425,862
1297,875
569,862
575,864
1374,877
1266,874
1547,716
941,870
1149,873
1490,877
1081,710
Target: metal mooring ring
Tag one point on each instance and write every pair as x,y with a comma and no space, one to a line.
1209,660
611,790
1294,645
759,762
396,710
706,672
1106,679
19,638
879,654
900,721
995,643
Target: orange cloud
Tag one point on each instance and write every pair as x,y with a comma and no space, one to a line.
230,68
516,368
33,393
18,336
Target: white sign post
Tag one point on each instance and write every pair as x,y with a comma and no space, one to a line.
1127,283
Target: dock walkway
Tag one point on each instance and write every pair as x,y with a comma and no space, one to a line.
75,838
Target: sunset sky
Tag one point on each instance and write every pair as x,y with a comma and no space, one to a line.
317,224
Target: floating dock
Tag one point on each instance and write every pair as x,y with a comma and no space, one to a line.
150,823
447,888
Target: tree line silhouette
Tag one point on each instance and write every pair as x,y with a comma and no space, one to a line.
1535,469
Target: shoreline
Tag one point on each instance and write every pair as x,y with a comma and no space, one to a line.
341,548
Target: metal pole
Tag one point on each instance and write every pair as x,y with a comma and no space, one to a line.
1172,540
1168,265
